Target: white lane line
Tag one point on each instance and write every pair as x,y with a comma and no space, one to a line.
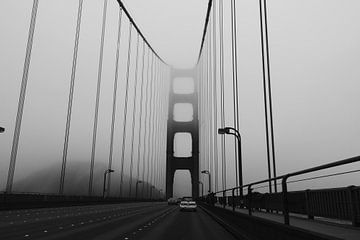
26,235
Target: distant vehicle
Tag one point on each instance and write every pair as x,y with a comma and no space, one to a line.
172,201
188,204
186,199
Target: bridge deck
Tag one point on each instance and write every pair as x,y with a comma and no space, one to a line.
339,229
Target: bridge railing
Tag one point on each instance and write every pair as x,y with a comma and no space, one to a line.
35,200
338,203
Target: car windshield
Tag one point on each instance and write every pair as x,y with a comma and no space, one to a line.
187,199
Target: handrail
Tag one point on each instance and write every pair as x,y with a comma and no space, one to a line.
284,179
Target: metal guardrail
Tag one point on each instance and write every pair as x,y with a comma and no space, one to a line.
35,200
320,202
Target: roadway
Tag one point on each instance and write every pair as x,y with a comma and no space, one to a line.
116,221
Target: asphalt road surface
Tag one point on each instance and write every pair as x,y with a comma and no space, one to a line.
116,221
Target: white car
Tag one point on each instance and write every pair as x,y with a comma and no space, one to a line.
188,205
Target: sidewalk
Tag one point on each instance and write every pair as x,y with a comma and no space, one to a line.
344,231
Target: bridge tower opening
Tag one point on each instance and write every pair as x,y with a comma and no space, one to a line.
181,78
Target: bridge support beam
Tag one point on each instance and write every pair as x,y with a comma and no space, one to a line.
178,163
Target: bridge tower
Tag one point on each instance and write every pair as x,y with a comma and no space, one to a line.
192,127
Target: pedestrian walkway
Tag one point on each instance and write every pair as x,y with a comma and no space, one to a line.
341,229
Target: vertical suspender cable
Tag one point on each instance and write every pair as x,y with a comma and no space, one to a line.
22,96
150,130
156,122
265,94
222,100
235,82
204,74
153,124
211,101
156,135
152,113
125,112
208,116
201,112
113,116
71,96
133,116
141,114
145,125
216,155
98,89
270,97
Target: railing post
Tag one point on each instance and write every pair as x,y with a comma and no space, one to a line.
285,200
224,199
307,204
353,197
267,200
249,199
233,199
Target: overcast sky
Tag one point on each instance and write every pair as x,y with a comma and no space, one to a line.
314,50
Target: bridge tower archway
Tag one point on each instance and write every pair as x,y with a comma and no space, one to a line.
192,127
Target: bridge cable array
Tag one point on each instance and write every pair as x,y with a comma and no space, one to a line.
153,95
211,68
267,89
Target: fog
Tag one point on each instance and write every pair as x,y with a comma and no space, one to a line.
314,51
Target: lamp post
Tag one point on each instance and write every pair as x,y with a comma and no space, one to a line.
105,173
151,191
233,131
202,188
2,129
136,188
207,172
160,193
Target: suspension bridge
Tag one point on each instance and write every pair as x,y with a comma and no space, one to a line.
98,159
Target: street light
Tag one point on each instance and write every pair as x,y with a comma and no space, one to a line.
106,172
202,188
136,188
2,129
160,191
151,191
233,131
207,172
